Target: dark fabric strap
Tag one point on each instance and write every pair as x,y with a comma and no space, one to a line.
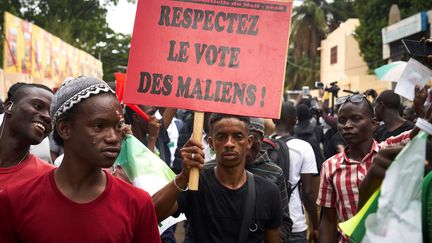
249,211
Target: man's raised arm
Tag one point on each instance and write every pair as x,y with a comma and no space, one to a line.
165,200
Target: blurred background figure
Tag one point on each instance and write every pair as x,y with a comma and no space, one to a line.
409,114
309,130
1,106
387,106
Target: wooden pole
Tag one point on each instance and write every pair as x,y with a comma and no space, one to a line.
197,136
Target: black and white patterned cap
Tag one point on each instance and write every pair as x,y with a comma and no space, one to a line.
75,90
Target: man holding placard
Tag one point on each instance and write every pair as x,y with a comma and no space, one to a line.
224,207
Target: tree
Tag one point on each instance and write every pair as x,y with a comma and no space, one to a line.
373,16
311,22
114,54
337,12
308,28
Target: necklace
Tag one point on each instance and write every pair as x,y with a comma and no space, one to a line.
3,125
21,160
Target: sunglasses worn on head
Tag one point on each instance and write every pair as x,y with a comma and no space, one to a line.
355,98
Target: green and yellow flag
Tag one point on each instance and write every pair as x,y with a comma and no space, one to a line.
146,171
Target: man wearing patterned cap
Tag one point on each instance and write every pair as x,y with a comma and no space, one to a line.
80,202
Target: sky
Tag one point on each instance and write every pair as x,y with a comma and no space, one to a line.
121,17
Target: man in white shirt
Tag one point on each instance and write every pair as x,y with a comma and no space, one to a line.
302,169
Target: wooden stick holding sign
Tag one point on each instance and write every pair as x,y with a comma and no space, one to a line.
197,136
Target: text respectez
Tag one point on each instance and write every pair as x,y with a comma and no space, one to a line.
242,24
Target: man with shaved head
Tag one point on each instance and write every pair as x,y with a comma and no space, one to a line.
387,107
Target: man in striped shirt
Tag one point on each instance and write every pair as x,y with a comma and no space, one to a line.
342,174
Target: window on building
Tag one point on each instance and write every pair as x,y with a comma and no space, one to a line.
333,55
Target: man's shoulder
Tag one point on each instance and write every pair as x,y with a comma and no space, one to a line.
209,164
297,144
42,165
23,190
334,160
267,167
262,184
407,125
263,161
127,190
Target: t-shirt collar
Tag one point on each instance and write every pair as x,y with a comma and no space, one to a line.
374,149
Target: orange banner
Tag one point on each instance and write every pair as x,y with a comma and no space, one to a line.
29,49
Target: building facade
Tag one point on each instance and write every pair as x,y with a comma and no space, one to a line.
341,62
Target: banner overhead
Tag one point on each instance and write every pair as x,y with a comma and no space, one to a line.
29,49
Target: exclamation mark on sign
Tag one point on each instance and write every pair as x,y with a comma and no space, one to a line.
263,93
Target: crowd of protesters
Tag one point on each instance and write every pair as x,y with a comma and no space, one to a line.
61,190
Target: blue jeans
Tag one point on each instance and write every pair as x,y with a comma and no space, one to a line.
298,237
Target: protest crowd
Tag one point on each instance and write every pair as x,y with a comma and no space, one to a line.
291,179
86,120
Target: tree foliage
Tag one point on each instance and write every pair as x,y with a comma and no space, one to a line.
337,12
311,22
307,29
373,16
81,23
114,54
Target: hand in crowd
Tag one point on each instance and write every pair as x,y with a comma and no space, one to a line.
126,130
118,171
428,42
192,155
420,97
154,126
314,235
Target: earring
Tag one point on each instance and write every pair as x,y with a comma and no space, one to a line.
10,108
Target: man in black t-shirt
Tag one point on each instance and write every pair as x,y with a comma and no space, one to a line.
387,110
215,212
259,163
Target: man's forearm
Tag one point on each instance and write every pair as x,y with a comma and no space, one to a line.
166,198
309,198
272,236
367,188
311,209
151,144
328,226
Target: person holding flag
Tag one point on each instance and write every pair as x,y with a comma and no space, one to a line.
342,174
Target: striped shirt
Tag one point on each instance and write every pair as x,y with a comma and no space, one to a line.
341,178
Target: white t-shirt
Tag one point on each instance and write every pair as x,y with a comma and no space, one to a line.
173,134
302,161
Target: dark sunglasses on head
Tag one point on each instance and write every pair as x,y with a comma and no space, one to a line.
355,98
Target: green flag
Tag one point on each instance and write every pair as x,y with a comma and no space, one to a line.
146,171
